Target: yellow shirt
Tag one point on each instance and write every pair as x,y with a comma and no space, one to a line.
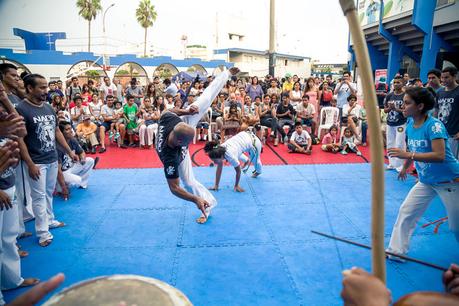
84,130
287,86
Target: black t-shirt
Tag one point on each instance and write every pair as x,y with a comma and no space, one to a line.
395,118
64,159
448,109
170,157
281,108
14,99
41,124
7,177
381,93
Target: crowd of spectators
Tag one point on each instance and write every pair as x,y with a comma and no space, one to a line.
48,128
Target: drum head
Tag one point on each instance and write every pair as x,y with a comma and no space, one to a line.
120,290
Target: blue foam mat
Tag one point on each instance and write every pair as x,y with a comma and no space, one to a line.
256,249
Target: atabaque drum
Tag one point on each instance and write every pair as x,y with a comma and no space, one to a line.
120,290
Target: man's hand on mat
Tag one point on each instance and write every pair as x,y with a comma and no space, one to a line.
234,70
202,205
38,292
238,189
214,188
363,289
451,279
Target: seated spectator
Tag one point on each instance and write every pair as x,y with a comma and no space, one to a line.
285,114
95,107
118,113
348,143
202,128
274,89
86,133
77,112
330,142
135,91
300,141
305,113
231,120
108,117
170,103
148,125
72,173
351,114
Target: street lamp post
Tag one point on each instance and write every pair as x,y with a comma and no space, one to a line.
105,36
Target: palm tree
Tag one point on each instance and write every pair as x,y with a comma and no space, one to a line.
88,9
146,15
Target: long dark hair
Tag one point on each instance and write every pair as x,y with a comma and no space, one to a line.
422,95
214,150
160,107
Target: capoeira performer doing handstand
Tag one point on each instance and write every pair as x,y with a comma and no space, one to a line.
233,151
174,135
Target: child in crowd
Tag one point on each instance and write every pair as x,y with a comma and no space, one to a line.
330,142
114,133
95,107
348,143
300,141
130,112
363,119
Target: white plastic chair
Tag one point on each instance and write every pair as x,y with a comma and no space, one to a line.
328,116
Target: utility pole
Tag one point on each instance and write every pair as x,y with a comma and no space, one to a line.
272,36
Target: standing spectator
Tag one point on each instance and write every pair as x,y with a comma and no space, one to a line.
447,107
92,87
38,150
313,92
300,141
74,89
381,92
130,111
325,96
267,119
119,89
396,122
10,82
433,78
343,90
254,89
86,94
285,113
86,132
108,89
274,89
75,172
159,88
406,78
295,94
53,91
135,91
287,86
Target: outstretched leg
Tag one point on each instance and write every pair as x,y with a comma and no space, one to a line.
204,101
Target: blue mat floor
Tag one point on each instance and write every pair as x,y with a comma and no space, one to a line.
257,248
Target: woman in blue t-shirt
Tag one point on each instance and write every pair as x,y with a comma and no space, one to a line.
437,168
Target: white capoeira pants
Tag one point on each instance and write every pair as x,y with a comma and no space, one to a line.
396,138
24,199
78,174
414,206
149,132
42,199
203,102
10,265
254,154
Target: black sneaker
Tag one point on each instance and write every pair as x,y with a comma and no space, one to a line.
102,150
123,146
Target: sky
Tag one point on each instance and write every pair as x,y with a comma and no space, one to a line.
313,28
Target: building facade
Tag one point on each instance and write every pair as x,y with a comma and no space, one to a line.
410,36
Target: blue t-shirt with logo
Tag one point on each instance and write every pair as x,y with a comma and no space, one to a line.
420,141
